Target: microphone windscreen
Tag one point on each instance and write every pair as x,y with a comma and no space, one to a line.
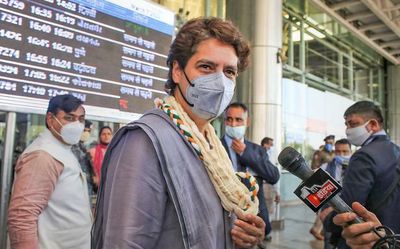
293,161
287,156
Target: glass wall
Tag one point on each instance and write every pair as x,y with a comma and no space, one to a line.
29,126
187,9
327,56
309,115
2,137
322,61
325,70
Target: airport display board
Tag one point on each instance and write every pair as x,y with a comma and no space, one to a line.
111,54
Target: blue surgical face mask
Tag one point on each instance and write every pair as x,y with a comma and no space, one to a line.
209,95
342,159
235,131
329,147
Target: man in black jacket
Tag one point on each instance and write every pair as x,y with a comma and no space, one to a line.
248,156
372,175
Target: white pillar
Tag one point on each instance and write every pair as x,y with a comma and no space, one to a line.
266,71
393,114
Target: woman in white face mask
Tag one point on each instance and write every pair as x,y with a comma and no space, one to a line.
157,169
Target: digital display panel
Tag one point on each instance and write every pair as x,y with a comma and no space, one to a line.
111,54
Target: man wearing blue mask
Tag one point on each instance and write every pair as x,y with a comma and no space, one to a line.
49,206
325,153
336,168
248,156
372,176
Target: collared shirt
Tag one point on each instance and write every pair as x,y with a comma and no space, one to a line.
233,155
339,171
37,177
379,133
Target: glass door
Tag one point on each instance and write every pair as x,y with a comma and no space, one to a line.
2,138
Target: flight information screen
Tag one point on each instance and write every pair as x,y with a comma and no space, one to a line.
111,54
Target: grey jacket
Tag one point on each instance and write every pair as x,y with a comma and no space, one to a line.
155,192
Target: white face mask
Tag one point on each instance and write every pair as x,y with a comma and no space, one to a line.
235,131
71,132
358,135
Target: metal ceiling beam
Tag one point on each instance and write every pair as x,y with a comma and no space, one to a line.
372,26
395,7
396,51
355,31
382,15
377,36
358,16
344,4
394,43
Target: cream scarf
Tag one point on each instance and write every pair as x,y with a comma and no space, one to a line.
233,194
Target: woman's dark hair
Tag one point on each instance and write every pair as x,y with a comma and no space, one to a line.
200,29
103,128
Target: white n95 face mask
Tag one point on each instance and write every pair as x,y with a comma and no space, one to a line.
358,135
71,132
209,95
235,131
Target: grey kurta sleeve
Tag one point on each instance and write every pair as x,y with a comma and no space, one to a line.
135,197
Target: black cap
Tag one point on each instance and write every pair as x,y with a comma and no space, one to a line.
329,137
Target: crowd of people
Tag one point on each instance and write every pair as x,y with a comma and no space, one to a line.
369,177
167,180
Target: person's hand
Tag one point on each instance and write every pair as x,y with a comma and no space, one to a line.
277,198
325,213
358,236
238,146
96,181
248,231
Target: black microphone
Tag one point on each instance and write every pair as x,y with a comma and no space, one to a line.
292,161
